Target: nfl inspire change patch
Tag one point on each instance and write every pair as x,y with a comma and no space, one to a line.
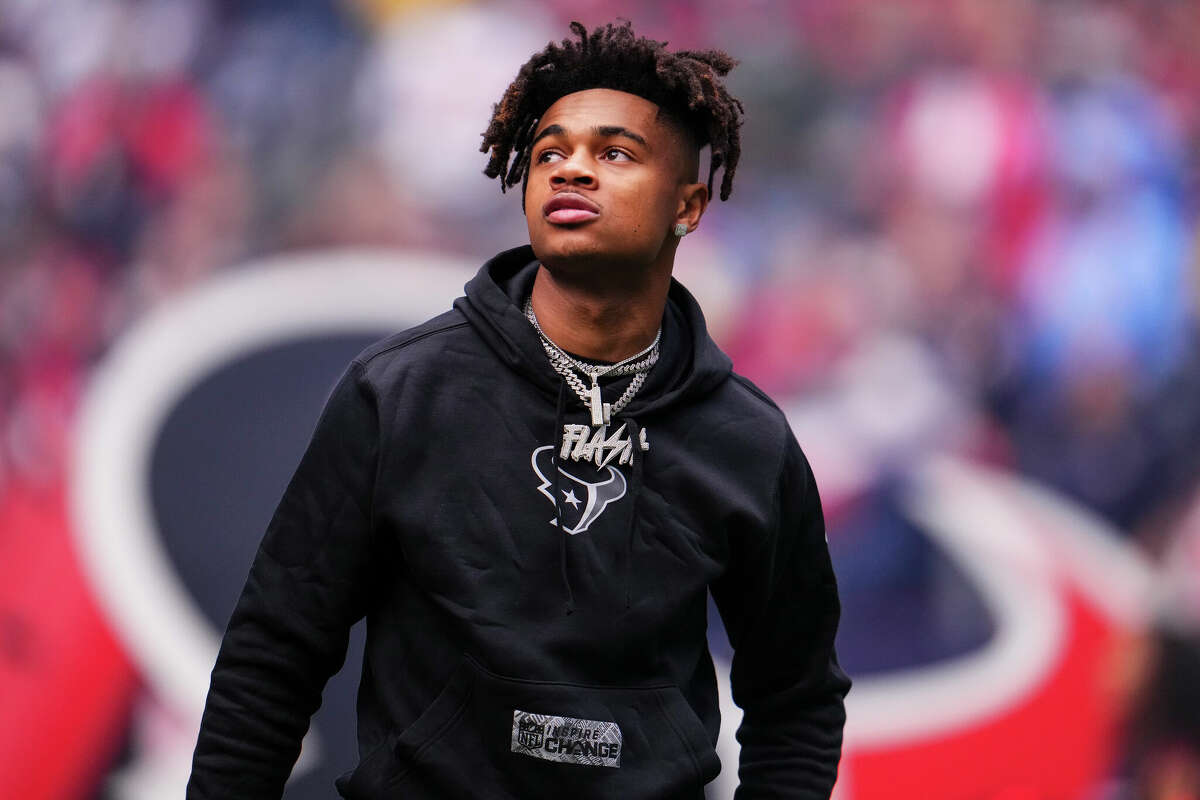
567,740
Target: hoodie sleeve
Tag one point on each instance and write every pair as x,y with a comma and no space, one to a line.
780,607
290,628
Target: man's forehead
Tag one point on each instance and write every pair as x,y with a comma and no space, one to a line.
594,108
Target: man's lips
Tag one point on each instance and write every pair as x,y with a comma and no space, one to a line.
569,207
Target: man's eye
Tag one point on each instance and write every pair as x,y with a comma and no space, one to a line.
546,156
613,154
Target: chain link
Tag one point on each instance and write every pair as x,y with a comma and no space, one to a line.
638,365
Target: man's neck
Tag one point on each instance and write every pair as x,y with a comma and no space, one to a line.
602,325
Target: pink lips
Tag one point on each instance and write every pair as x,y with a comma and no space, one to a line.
569,207
570,215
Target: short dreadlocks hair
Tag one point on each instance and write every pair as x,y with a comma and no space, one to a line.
684,84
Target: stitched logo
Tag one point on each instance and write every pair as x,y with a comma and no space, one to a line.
530,732
568,740
583,500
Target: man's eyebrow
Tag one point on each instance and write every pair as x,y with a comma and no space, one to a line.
600,130
549,130
618,130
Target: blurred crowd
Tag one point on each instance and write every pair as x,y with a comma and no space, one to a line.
1007,188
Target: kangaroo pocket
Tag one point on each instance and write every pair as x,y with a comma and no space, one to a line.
489,736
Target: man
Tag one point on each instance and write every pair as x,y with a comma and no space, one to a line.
530,496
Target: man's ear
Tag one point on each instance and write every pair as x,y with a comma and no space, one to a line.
692,204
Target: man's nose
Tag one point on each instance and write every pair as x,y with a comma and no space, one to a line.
574,170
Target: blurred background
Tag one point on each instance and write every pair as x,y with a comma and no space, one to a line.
961,252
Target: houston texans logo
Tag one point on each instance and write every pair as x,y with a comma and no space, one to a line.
596,495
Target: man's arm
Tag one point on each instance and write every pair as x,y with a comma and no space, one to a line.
289,631
780,606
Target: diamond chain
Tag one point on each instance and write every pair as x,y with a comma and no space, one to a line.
638,365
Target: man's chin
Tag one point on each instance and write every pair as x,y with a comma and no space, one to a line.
584,254
570,252
587,264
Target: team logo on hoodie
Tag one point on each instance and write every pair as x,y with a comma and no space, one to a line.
581,499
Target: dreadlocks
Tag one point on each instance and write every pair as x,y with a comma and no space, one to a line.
685,85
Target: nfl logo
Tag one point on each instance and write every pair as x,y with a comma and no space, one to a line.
530,733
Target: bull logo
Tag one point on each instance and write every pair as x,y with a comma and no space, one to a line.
582,500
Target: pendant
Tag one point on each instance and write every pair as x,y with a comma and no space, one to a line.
581,443
601,411
597,404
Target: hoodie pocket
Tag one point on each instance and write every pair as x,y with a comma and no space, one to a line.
490,736
387,766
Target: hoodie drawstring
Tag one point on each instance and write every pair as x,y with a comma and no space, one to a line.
635,436
558,513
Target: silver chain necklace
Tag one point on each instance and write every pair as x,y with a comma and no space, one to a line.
638,365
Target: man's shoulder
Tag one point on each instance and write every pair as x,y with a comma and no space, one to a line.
741,396
413,343
744,426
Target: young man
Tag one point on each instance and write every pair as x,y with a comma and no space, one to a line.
530,496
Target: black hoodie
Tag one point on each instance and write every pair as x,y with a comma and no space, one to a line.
505,659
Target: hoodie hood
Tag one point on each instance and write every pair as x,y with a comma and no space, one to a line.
690,364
